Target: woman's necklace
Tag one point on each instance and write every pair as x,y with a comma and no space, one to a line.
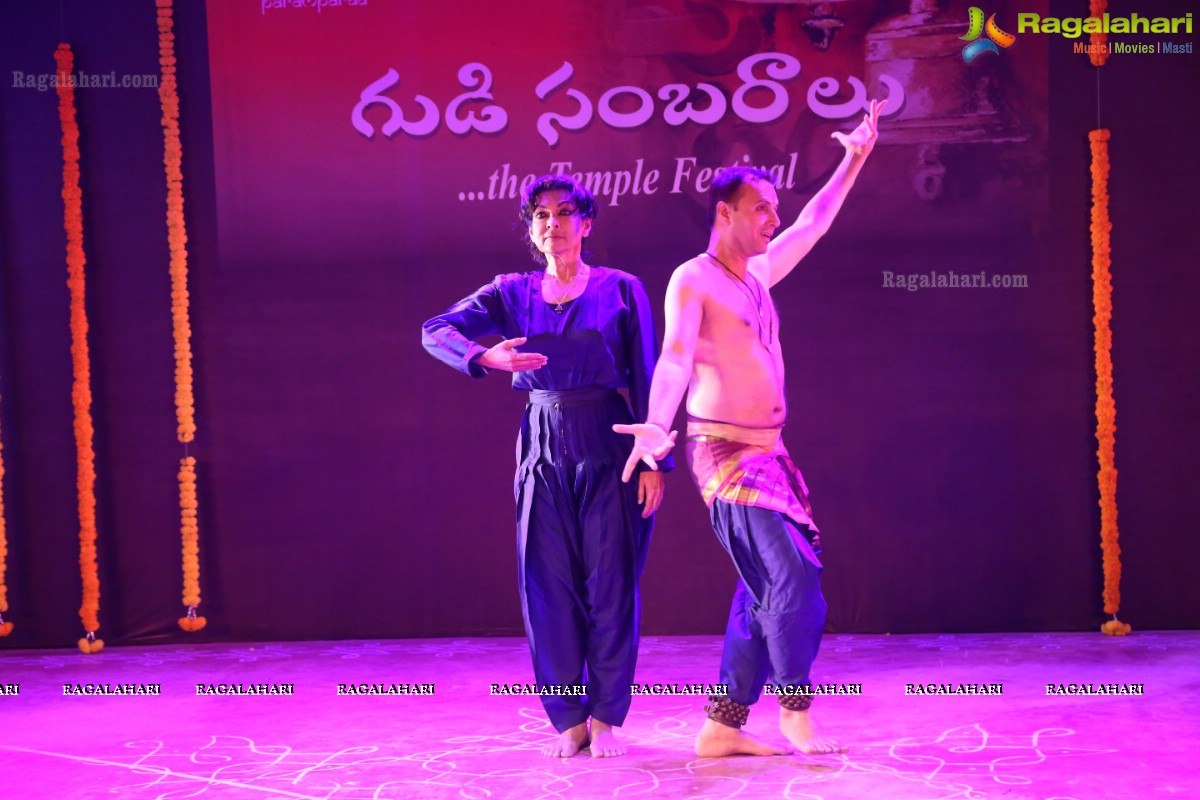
755,296
562,298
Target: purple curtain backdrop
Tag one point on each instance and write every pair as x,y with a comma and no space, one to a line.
352,487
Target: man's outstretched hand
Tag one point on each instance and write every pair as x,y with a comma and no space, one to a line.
860,140
650,442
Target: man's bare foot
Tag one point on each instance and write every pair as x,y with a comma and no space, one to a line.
567,743
802,731
716,740
604,741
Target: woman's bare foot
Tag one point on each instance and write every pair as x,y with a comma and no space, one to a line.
802,731
604,741
567,743
716,740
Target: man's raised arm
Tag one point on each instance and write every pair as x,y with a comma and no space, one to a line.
684,308
794,243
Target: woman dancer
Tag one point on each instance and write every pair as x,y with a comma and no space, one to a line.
573,335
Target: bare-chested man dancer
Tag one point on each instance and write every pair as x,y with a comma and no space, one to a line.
722,345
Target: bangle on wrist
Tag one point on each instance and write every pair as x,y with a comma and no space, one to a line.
660,426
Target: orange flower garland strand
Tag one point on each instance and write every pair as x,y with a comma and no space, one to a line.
1106,407
185,403
81,392
5,627
191,544
176,231
1098,52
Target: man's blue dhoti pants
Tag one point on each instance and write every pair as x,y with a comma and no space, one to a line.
778,611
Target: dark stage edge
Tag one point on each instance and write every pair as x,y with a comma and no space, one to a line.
464,743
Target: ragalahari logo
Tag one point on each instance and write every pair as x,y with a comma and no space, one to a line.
995,36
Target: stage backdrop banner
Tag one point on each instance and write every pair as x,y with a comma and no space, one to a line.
354,126
369,157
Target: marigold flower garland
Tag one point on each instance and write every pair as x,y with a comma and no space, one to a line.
185,403
81,392
1106,407
191,545
1098,52
5,627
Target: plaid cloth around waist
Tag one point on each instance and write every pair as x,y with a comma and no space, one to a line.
746,466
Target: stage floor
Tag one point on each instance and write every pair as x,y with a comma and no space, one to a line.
464,742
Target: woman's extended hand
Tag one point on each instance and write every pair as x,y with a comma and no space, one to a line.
505,356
